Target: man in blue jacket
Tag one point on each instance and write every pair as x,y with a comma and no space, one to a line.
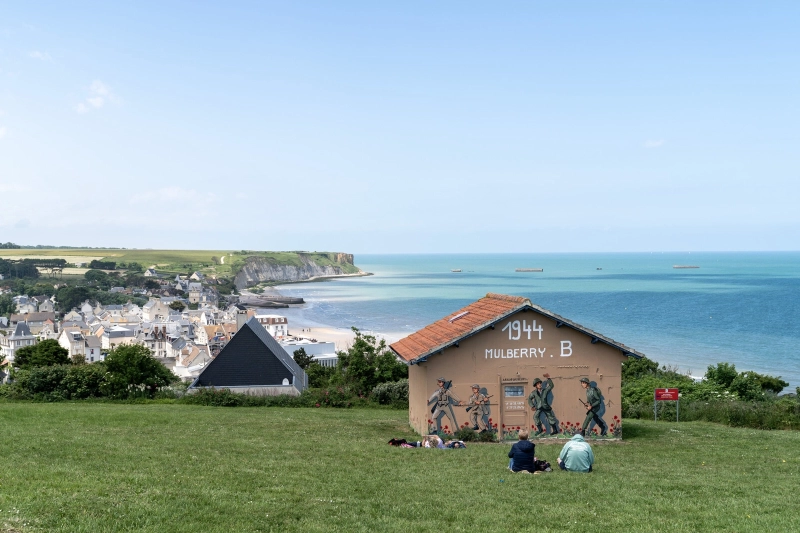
521,454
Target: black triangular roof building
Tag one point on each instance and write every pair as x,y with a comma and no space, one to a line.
252,359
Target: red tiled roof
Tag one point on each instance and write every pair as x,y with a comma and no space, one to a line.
478,316
458,325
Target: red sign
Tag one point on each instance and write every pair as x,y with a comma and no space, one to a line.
667,394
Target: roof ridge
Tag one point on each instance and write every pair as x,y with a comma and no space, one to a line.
508,298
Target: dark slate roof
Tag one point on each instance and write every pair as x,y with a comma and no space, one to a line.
21,330
252,358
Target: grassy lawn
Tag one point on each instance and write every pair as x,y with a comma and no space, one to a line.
168,467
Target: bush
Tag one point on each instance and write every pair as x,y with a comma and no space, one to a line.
320,376
84,381
55,383
341,396
393,393
747,386
131,366
721,373
44,382
45,353
325,397
369,362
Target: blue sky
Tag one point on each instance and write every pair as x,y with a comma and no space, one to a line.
371,127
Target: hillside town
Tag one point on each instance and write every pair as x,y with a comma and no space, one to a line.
182,323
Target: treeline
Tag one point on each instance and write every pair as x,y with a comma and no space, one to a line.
368,373
725,395
103,265
45,372
19,269
74,295
12,246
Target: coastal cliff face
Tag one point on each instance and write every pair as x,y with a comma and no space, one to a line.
301,267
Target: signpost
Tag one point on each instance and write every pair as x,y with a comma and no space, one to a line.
666,395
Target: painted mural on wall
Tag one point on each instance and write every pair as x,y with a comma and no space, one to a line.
540,418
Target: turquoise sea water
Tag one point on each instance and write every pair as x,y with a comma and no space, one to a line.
742,308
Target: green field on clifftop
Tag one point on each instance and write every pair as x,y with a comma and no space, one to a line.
176,261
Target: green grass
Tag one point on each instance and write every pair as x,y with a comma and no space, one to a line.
95,467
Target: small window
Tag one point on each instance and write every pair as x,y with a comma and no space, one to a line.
515,390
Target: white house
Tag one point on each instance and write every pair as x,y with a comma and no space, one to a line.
72,340
20,338
154,310
117,336
276,325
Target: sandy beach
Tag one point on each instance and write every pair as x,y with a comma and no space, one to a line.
343,338
302,327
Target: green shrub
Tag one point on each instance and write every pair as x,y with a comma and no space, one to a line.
84,381
327,397
721,374
393,393
747,386
319,376
467,434
42,381
131,367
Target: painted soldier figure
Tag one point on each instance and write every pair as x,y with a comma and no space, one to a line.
593,404
478,409
442,401
537,400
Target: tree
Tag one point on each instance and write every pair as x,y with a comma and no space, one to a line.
302,359
95,275
69,297
772,383
722,374
6,305
369,362
177,305
131,366
46,353
135,280
747,386
633,368
135,267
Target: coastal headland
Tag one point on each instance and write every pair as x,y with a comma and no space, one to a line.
245,268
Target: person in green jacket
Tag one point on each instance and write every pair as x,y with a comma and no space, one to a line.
576,455
593,404
537,400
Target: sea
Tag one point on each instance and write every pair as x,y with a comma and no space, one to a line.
736,307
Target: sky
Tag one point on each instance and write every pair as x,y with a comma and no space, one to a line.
401,127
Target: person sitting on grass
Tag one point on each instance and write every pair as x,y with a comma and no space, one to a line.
521,454
576,455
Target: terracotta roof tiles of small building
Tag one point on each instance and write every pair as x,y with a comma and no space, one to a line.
462,323
475,317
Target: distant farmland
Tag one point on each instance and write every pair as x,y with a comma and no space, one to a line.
144,257
222,263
